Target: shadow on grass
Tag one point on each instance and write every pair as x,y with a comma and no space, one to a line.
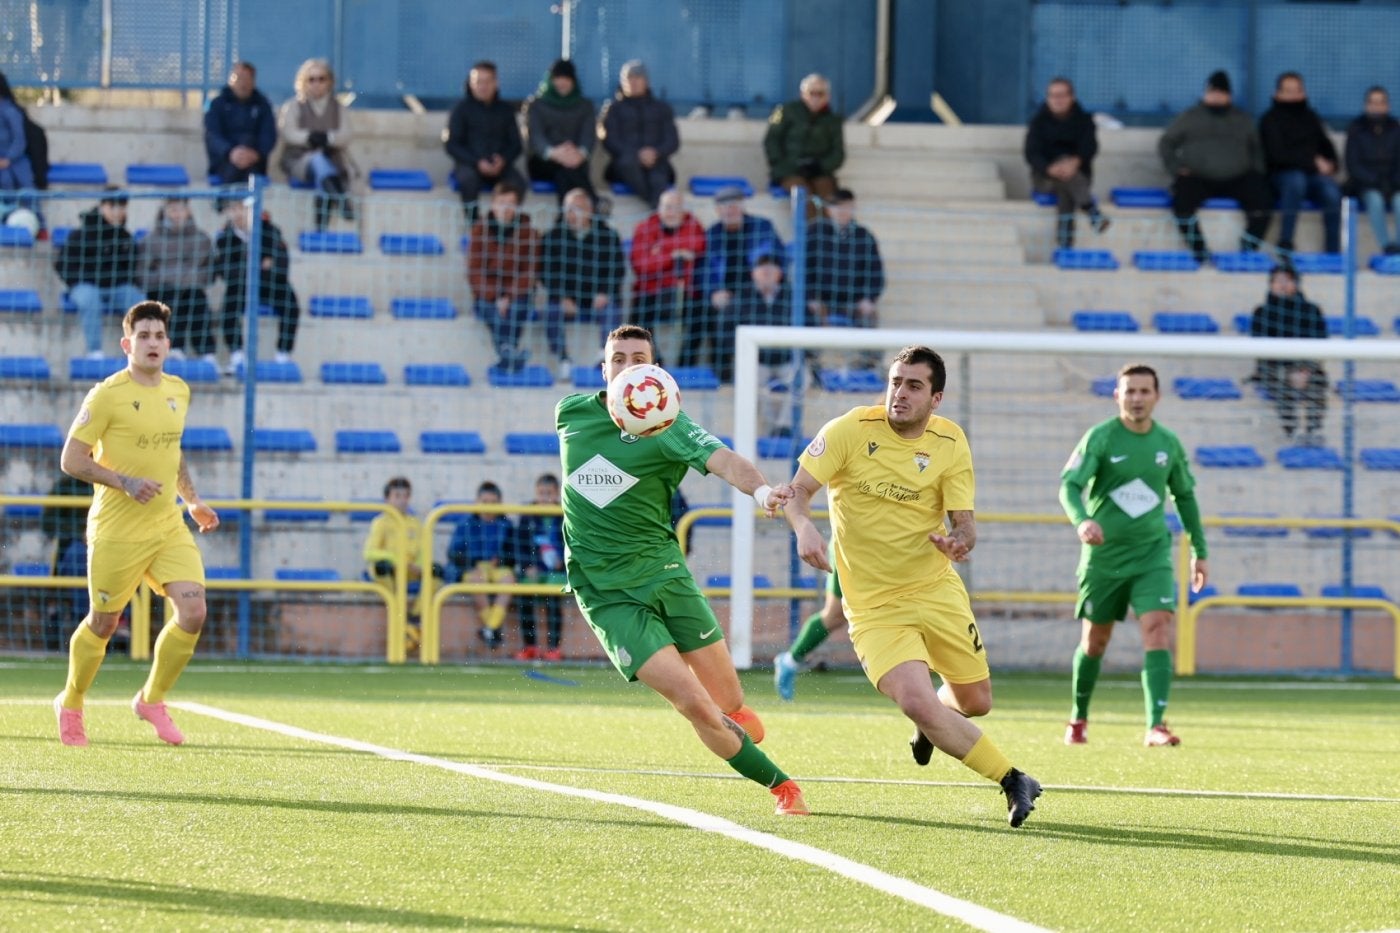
189,901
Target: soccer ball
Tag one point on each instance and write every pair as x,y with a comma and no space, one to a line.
644,400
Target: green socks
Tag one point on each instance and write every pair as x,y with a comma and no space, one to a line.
1085,675
756,766
810,638
1156,684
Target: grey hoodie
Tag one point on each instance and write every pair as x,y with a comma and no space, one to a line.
1216,146
175,257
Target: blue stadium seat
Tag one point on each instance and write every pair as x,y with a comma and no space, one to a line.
542,187
1250,262
589,377
528,377
1140,197
1380,458
284,440
410,244
158,175
1085,259
16,238
1173,522
712,521
778,191
621,190
1385,265
365,515
1101,321
1190,387
367,442
206,438
24,367
465,243
1310,458
1165,260
59,236
273,371
1221,204
1269,589
77,173
363,374
357,307
423,309
781,448
705,186
307,574
66,302
30,568
540,443
330,241
451,442
1368,390
1319,263
192,369
81,369
31,436
21,512
1336,532
1104,386
1236,456
695,378
1355,591
20,300
1039,198
436,374
399,179
1362,326
223,573
721,580
851,380
1206,592
1184,322
1253,531
300,184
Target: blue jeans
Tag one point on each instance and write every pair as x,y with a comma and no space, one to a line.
1375,213
505,329
1295,185
321,168
92,301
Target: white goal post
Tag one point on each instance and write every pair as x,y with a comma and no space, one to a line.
1114,349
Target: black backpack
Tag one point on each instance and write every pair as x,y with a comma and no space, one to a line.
36,146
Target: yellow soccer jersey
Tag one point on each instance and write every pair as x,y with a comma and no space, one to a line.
386,536
886,494
134,430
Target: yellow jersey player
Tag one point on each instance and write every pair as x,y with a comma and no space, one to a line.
898,476
126,442
387,540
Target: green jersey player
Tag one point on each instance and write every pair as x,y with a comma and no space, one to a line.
1113,489
628,573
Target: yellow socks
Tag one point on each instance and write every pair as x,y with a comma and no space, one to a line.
85,655
174,648
987,760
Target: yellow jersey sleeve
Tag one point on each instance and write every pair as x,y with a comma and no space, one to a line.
830,450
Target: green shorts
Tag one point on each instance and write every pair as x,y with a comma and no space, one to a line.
1106,599
632,625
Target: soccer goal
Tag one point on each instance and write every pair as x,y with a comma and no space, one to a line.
1025,398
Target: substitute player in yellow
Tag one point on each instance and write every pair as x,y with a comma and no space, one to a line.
899,475
126,442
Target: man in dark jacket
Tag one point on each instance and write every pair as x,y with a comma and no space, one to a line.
1291,383
1061,143
582,268
563,128
274,282
483,138
240,128
765,301
98,263
845,274
1302,161
732,245
1212,151
639,132
1373,166
803,144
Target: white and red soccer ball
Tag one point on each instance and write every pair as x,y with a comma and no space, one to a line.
644,400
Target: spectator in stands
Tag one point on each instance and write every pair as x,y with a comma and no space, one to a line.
539,552
315,131
482,550
274,281
176,266
1373,166
1292,383
240,128
1213,150
732,244
639,132
502,260
562,127
665,249
1061,143
483,138
66,526
98,263
1302,162
845,274
581,268
390,541
16,172
764,301
803,144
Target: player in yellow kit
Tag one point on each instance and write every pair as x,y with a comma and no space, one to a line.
899,475
389,538
126,442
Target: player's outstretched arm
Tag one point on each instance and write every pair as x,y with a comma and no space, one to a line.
206,518
810,546
958,543
739,472
76,460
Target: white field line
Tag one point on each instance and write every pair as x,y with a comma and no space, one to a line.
973,915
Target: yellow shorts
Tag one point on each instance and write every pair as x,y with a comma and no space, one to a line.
116,568
934,626
493,573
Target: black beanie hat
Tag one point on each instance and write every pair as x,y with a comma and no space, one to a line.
563,68
1218,81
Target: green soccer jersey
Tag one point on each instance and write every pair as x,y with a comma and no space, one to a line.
1120,479
617,494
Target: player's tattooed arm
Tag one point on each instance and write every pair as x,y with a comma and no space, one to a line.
960,541
77,461
184,484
